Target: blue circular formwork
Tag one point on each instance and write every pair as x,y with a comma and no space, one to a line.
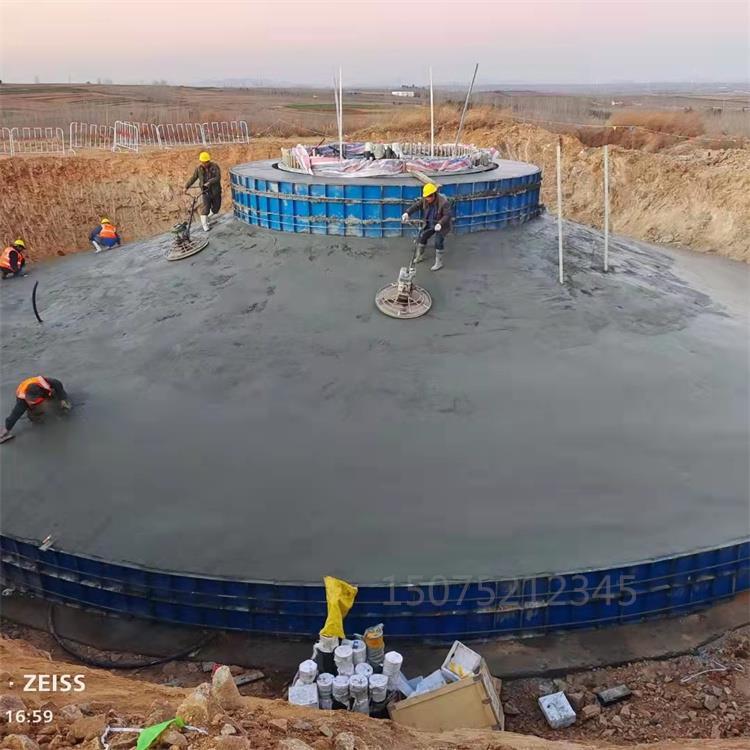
432,610
266,196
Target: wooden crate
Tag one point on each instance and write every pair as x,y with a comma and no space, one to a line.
470,703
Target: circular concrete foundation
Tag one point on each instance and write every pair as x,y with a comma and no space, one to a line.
525,457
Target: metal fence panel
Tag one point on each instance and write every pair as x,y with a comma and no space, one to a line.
6,141
130,136
181,134
36,140
148,134
126,136
90,135
226,132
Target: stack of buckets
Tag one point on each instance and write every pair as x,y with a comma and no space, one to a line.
355,675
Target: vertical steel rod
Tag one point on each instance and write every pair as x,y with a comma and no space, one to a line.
606,208
559,210
341,118
432,118
466,104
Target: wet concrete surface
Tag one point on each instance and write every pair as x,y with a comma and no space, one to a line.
248,413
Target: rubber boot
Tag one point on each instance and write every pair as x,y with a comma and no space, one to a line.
420,254
204,222
438,262
97,247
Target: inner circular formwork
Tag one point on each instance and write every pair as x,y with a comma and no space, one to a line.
267,196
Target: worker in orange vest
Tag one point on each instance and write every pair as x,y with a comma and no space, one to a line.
104,236
32,397
12,259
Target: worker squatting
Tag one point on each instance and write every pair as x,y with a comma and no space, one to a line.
34,396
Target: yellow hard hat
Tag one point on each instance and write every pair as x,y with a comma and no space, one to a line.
105,220
205,156
19,243
429,189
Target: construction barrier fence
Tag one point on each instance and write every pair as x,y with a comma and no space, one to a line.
126,136
148,134
181,134
6,142
32,141
123,135
225,132
84,135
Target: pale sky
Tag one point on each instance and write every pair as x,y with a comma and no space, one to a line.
387,42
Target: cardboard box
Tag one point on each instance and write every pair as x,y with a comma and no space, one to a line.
470,703
460,662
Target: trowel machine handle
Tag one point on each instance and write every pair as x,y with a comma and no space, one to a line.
194,192
416,223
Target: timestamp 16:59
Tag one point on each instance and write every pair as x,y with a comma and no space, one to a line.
32,716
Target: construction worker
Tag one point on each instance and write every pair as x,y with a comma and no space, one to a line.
436,218
32,397
104,236
208,175
12,259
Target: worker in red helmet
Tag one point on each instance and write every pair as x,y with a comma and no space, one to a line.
436,218
32,397
12,259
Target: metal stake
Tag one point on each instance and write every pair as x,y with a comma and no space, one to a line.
432,119
341,118
606,208
559,210
466,105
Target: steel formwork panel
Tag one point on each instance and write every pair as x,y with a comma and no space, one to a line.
371,207
439,611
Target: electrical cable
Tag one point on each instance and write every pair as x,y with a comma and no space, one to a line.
108,664
33,301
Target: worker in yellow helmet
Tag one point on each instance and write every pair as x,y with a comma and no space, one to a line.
436,220
12,259
104,236
208,176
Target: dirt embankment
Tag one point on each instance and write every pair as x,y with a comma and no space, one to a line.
251,724
687,196
54,202
684,195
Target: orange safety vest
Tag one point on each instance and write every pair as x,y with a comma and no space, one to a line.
23,387
108,232
5,258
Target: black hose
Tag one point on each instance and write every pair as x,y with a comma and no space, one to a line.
106,664
33,301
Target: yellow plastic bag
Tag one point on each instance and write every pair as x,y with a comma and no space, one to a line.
340,596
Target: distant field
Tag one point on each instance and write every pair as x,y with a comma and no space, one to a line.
324,107
297,111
